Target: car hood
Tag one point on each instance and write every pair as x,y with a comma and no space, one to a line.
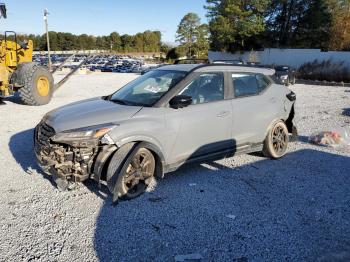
89,112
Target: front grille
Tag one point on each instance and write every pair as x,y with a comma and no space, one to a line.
43,133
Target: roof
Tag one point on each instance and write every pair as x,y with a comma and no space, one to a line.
179,67
219,67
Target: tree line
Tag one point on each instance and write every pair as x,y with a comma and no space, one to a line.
148,41
233,25
254,24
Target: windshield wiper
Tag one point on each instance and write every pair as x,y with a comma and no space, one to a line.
128,103
118,101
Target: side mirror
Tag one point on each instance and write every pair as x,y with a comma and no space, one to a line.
180,101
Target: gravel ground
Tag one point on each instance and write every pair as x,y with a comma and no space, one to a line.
245,208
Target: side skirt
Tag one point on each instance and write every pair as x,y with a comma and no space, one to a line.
244,149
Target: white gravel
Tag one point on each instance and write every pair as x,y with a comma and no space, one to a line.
247,208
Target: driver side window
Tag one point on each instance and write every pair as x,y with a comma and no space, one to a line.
207,87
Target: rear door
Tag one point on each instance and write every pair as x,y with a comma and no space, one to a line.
205,126
254,107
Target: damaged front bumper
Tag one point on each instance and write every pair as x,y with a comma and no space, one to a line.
69,163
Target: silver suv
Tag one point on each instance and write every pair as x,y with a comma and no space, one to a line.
168,117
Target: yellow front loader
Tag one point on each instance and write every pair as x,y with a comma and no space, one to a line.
18,73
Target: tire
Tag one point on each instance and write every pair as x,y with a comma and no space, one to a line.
37,84
276,142
129,178
116,164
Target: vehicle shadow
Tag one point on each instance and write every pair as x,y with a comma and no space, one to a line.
295,209
13,99
21,147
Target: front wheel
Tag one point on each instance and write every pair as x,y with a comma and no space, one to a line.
276,142
134,177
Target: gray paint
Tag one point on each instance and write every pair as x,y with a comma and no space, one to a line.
181,134
88,113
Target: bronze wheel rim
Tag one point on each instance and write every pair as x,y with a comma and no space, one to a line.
279,140
139,173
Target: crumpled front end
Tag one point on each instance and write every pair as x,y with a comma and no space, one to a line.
62,160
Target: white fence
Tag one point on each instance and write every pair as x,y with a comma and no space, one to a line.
291,57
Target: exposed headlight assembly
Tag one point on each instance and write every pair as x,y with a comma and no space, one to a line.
83,136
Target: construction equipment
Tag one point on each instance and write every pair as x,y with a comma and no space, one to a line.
18,73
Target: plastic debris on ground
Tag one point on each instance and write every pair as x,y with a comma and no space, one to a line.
335,138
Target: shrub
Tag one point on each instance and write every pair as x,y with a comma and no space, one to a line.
324,71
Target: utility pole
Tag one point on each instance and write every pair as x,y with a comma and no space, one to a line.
46,13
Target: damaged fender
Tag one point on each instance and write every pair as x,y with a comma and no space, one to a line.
100,161
123,157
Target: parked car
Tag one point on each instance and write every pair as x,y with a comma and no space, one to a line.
286,74
170,116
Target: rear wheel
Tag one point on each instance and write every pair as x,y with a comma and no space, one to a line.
276,142
135,175
37,84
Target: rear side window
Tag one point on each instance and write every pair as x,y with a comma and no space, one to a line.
248,84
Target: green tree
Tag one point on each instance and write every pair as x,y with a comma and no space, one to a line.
148,41
139,43
175,53
187,31
201,46
340,24
115,41
233,22
313,28
127,42
298,23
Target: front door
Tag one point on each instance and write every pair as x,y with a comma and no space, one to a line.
205,126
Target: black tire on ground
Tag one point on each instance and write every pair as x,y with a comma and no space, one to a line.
276,142
131,178
29,75
116,164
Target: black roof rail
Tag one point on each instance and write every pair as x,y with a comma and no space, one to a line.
228,62
191,61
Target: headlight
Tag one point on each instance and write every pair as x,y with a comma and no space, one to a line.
284,77
83,134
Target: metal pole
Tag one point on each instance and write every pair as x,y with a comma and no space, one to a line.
46,12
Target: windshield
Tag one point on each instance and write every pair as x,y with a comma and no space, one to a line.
149,88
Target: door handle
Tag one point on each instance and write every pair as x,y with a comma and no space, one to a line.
223,114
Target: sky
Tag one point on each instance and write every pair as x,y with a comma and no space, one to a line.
100,17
